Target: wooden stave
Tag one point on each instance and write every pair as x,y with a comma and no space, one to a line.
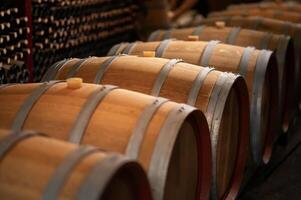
154,17
288,6
188,112
270,25
269,13
152,46
89,77
18,142
285,56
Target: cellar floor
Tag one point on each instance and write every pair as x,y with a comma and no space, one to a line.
281,179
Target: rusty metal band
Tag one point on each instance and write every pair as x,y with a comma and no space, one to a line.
161,48
215,111
64,171
154,36
12,139
141,126
114,49
29,103
94,184
167,34
265,40
233,35
83,118
51,70
77,67
244,61
103,68
198,30
208,52
160,159
163,76
197,84
256,104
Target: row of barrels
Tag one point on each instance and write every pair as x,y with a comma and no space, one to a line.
34,166
261,42
128,123
223,97
194,114
141,128
170,140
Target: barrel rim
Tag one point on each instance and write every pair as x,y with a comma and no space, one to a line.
238,83
241,159
114,164
161,158
266,151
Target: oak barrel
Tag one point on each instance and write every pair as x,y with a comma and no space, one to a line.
273,26
155,16
33,166
222,97
269,13
258,67
281,44
159,133
288,6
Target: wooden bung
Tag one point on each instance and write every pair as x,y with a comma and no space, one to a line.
220,24
37,167
282,45
221,96
123,121
74,83
276,27
193,38
258,67
149,53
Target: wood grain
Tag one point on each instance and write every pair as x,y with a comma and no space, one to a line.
140,73
28,166
112,124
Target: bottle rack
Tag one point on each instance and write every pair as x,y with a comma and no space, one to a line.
15,43
58,29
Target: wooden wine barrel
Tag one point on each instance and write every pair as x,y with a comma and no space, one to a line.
214,5
222,97
170,140
37,167
155,16
258,67
288,6
273,26
269,13
282,45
